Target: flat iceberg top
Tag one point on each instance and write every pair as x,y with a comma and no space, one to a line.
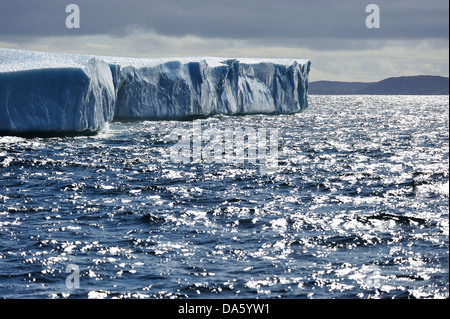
18,60
210,61
12,60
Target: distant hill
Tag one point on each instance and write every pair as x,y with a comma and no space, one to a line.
412,85
336,88
404,85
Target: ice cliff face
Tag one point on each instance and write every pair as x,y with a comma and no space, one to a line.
175,89
55,98
42,92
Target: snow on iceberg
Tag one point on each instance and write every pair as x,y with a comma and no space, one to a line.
49,92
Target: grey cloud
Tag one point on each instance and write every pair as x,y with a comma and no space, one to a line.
413,38
235,19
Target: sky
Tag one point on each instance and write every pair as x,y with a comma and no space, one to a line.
412,38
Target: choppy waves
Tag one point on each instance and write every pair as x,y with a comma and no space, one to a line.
356,208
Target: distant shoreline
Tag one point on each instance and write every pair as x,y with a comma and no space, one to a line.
404,85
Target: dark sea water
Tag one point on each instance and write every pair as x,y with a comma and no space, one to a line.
357,207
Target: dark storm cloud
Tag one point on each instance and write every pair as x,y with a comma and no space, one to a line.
236,19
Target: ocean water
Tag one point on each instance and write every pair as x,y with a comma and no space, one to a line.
357,206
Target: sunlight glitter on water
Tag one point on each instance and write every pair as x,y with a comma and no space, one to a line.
356,208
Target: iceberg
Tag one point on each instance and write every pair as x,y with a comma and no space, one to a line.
47,93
